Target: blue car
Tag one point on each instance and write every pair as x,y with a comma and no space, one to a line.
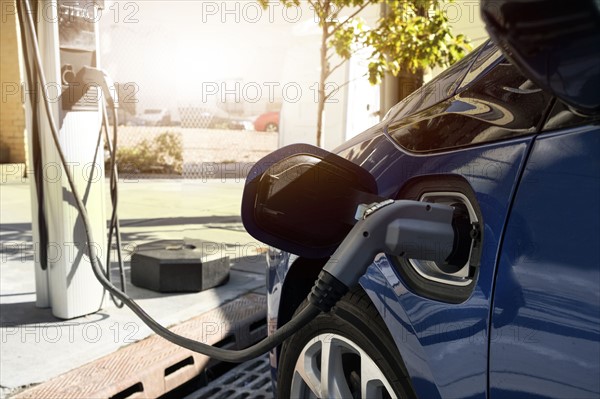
517,314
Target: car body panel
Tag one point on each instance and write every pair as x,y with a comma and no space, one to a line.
155,117
546,319
492,171
451,338
445,346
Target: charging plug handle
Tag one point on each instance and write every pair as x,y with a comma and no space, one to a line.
410,229
90,75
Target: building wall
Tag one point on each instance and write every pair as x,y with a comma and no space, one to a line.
12,111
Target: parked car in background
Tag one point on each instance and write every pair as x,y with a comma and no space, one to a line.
219,119
212,118
133,121
519,316
155,117
267,122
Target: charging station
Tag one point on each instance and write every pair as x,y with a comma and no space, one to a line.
67,33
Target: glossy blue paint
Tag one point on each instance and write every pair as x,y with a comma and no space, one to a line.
545,289
444,345
448,358
546,320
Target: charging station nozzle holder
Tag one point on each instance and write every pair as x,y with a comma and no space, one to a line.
78,49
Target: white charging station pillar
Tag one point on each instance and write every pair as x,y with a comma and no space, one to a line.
68,40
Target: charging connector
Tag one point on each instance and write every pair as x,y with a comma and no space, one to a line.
410,229
94,76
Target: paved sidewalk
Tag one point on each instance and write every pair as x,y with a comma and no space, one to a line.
36,347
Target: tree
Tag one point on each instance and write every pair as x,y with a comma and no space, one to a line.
408,37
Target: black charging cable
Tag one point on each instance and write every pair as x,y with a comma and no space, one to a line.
36,151
305,316
114,225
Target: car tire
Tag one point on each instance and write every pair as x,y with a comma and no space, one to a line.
271,127
353,333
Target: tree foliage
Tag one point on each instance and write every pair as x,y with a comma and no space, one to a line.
408,37
413,35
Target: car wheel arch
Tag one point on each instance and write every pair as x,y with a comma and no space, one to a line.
300,278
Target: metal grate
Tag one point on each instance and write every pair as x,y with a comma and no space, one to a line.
153,366
248,380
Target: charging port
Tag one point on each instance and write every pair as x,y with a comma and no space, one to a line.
451,281
456,270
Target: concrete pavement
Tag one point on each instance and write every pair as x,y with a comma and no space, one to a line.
36,347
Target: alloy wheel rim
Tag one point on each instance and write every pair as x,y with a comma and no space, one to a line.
333,366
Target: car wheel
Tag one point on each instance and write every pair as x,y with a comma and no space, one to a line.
271,127
346,353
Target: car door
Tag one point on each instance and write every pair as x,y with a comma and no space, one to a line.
545,336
